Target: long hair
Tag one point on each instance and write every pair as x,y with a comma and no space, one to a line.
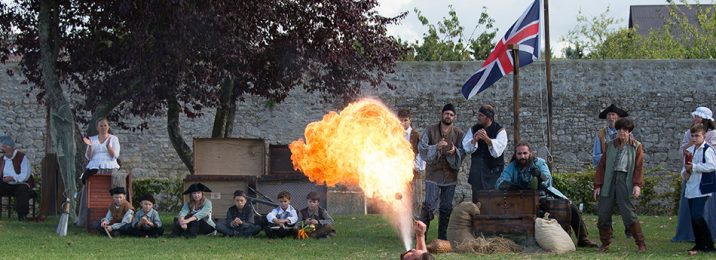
196,204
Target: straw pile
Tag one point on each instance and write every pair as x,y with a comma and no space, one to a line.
491,245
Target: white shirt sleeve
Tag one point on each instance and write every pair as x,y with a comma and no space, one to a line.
467,142
24,171
709,165
499,144
271,215
293,216
114,142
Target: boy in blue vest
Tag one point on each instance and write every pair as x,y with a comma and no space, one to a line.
703,161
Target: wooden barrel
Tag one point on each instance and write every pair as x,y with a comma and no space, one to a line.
560,210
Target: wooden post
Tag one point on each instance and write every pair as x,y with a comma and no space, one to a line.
516,91
548,68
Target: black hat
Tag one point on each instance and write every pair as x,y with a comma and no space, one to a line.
615,109
117,190
197,187
147,197
450,107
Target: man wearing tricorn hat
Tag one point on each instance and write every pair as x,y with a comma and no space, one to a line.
608,133
441,148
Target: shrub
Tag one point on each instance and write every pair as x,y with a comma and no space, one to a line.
658,197
166,192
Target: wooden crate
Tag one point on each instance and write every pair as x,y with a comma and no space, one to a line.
280,161
99,199
229,156
222,187
504,213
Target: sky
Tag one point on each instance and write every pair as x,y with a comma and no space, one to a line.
562,15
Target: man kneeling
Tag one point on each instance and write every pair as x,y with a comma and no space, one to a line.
519,174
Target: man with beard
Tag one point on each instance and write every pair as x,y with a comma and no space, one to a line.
441,149
486,141
526,171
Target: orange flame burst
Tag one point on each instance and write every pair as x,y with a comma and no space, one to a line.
364,145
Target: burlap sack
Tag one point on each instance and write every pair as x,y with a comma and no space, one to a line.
551,237
460,227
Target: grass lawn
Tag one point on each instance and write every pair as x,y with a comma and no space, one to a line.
359,237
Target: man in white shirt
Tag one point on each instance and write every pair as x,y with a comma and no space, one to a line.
15,176
486,141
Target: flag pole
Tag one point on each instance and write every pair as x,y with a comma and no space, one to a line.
548,66
516,91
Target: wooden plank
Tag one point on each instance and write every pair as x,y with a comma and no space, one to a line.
229,156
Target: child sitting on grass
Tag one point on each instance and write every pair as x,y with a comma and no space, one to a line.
118,220
283,218
239,218
318,217
146,222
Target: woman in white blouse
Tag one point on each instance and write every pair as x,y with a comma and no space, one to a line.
102,152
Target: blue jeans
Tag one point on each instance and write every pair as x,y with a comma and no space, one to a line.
446,195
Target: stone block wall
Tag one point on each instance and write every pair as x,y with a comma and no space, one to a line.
658,94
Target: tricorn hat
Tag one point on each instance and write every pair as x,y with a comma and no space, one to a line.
117,190
614,109
147,197
197,187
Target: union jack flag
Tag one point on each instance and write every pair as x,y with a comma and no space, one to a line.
525,33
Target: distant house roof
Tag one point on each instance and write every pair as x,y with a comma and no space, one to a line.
647,17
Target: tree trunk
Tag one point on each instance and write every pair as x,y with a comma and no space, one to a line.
225,111
183,150
61,118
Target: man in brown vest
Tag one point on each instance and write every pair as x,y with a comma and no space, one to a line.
15,176
441,148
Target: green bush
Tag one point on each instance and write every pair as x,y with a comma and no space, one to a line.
166,192
580,189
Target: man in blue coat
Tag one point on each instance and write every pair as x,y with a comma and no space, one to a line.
526,171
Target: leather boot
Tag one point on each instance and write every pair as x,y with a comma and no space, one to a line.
583,236
638,236
605,236
442,225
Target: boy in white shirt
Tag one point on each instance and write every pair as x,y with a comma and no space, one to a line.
283,218
698,172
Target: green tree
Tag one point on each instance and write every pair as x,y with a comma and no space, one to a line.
589,34
445,41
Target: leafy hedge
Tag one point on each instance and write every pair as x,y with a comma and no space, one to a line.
166,192
659,196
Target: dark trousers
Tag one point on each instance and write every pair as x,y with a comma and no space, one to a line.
243,230
152,232
433,192
124,230
702,233
21,192
198,227
482,177
273,232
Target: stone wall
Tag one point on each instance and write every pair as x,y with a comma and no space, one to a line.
659,95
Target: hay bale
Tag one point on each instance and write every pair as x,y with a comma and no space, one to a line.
491,245
439,246
460,225
551,237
